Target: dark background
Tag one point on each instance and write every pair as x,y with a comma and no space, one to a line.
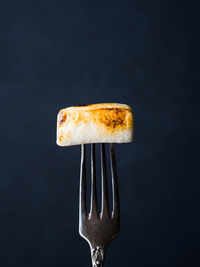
55,54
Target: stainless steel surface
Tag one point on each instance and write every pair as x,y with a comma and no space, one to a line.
99,229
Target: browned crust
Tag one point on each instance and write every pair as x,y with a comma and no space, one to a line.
62,116
111,118
60,138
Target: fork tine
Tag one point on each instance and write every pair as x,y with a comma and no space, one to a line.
104,203
82,193
93,201
116,208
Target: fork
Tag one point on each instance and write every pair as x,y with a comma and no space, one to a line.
98,229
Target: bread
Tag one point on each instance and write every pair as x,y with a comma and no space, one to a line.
97,123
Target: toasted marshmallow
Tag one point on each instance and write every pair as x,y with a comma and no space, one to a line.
96,123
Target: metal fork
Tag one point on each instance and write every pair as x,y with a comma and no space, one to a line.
99,229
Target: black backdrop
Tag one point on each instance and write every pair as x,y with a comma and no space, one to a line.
54,54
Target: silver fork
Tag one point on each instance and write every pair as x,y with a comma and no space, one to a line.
99,229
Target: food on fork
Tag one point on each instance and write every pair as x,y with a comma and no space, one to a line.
95,123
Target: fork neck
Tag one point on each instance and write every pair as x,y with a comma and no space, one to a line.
97,255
